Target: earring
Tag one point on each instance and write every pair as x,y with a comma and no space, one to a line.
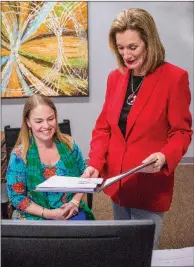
30,132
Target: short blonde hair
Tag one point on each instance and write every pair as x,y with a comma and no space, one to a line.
141,21
24,136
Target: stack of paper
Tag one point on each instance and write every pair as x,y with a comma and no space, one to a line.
82,185
69,184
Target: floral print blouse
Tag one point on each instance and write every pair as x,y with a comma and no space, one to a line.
16,176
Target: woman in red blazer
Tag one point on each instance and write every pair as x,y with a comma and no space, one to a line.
145,117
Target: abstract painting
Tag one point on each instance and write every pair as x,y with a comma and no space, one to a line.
44,48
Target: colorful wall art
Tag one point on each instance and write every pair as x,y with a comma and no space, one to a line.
44,48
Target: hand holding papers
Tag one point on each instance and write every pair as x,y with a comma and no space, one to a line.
82,185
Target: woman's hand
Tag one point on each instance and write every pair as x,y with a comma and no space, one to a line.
65,212
69,210
156,166
54,214
90,172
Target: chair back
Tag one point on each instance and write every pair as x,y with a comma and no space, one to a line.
65,127
11,136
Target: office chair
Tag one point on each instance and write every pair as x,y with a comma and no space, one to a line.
11,135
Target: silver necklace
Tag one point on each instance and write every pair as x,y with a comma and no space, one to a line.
131,98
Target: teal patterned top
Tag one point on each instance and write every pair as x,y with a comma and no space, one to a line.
18,193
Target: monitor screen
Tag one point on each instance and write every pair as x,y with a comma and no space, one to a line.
80,243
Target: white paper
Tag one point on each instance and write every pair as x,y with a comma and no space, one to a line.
173,257
66,189
70,182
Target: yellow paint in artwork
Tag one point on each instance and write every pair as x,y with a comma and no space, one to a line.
41,31
24,12
82,16
4,6
47,48
4,34
14,83
41,72
80,11
9,14
5,52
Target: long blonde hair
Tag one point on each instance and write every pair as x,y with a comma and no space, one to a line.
141,21
24,136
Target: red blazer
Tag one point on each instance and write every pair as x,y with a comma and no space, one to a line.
159,121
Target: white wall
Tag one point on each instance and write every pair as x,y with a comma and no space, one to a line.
175,24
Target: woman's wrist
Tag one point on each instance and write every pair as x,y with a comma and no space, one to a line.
75,202
47,214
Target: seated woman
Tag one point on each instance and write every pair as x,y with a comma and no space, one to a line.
42,151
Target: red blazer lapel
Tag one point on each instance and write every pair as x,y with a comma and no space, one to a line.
142,98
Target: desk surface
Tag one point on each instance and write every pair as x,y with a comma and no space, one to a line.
173,257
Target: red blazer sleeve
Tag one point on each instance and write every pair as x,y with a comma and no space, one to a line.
180,122
101,134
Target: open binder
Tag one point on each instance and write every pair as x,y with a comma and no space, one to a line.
83,185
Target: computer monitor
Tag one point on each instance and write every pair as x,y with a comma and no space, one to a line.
81,243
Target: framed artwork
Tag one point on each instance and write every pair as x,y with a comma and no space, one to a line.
44,48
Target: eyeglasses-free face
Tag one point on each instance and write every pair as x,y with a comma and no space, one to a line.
132,49
42,121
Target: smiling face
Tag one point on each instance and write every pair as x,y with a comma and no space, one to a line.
132,49
42,121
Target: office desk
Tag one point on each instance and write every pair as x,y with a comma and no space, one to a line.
173,257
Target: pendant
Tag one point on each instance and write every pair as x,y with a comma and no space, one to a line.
131,99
